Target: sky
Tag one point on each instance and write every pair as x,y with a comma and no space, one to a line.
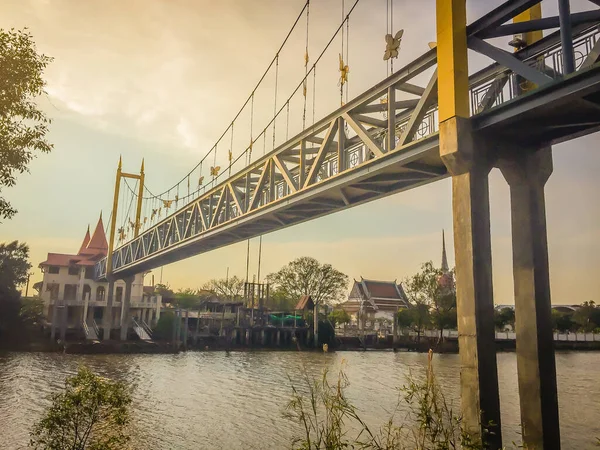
163,79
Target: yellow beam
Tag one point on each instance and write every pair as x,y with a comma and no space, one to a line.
533,13
138,211
113,220
130,175
453,71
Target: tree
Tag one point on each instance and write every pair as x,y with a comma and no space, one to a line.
32,311
417,317
14,267
434,288
562,321
186,299
587,317
280,301
226,289
339,317
164,290
164,327
306,276
91,413
23,126
506,316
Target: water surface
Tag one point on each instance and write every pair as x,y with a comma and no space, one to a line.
214,400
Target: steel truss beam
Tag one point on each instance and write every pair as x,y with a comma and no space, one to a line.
322,170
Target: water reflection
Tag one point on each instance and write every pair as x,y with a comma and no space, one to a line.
218,400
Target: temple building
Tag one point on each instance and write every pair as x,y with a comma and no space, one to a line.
68,282
370,300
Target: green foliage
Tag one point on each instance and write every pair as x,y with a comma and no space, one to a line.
32,311
226,289
587,317
339,316
417,317
330,421
186,299
563,322
306,276
91,413
14,267
506,316
424,288
280,301
23,126
164,290
164,327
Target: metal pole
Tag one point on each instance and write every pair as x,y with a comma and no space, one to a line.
259,255
566,37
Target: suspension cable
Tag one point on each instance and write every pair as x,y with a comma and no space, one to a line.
273,61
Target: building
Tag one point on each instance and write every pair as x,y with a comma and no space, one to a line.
370,300
68,282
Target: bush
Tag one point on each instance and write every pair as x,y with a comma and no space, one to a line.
326,416
91,413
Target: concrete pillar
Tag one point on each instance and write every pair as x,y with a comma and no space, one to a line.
64,313
395,329
86,302
316,325
126,308
526,173
469,168
475,306
263,337
107,315
248,336
186,327
54,321
174,330
197,329
278,338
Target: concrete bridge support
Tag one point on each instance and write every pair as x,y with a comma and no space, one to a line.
526,174
107,315
469,168
126,310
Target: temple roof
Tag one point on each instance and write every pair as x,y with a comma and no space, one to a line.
86,241
92,249
98,243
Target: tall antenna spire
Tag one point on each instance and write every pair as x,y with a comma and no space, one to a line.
445,267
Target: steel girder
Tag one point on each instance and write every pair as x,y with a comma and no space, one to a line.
349,157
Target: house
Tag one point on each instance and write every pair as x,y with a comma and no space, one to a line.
370,300
68,281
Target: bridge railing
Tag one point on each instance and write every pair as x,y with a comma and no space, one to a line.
349,138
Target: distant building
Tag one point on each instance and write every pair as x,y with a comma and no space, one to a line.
370,300
69,282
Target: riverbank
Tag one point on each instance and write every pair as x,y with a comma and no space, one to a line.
216,343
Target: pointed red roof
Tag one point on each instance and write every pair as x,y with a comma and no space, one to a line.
98,243
86,241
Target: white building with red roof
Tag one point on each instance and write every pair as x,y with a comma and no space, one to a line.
68,282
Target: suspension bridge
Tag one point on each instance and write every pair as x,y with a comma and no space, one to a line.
428,120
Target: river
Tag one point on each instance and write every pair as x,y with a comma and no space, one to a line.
214,400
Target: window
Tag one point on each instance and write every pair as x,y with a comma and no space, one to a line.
87,292
100,293
73,270
53,269
89,273
53,289
70,291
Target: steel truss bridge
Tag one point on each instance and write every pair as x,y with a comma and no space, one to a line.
325,169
